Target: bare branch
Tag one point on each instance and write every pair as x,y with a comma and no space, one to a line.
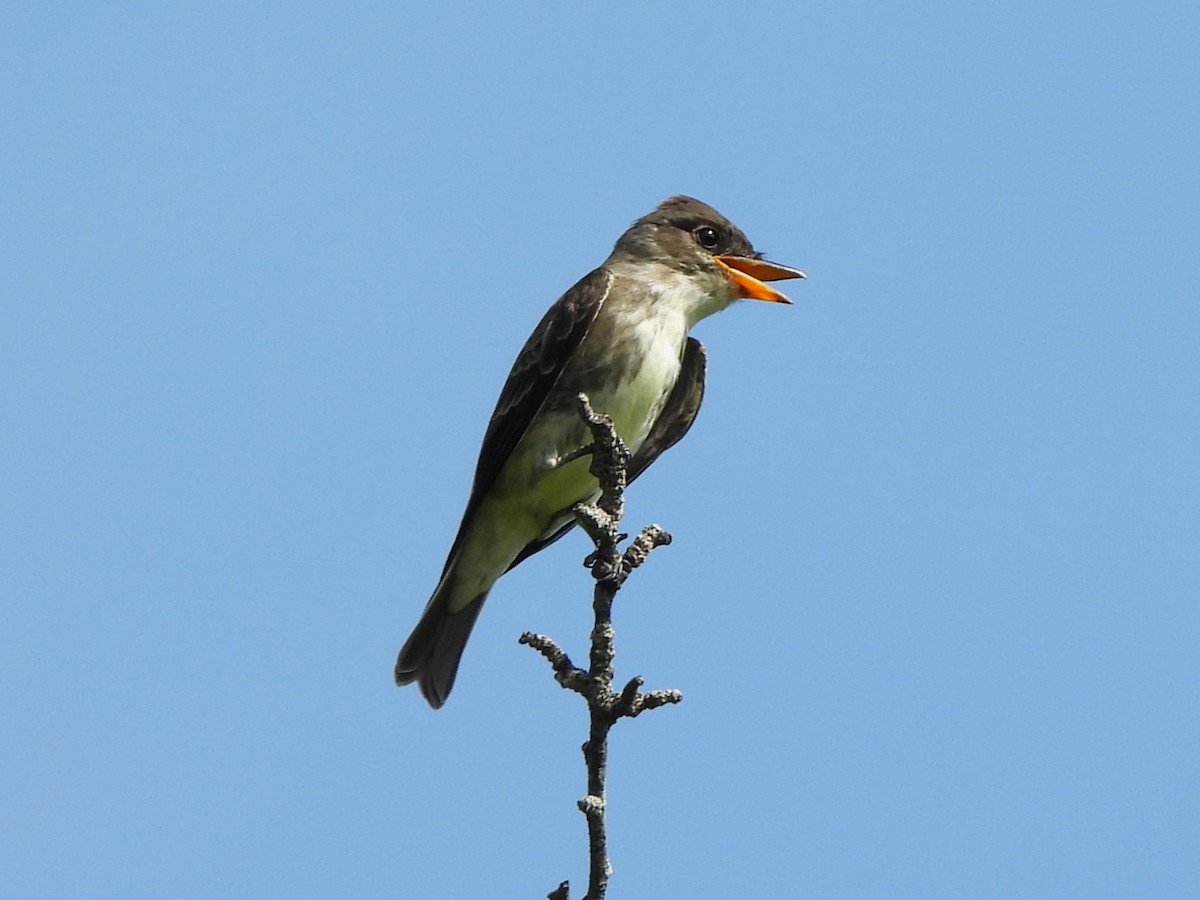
610,567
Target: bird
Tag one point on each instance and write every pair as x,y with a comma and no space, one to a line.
620,336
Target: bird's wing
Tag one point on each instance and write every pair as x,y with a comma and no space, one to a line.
669,428
533,375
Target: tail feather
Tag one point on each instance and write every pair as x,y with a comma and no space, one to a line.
432,652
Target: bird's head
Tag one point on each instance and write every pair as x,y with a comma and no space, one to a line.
693,238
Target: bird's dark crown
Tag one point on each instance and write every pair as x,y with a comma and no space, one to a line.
685,230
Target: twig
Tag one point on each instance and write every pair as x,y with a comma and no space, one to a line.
610,567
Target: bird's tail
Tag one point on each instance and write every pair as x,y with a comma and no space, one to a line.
432,652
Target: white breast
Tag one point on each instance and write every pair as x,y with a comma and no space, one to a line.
635,404
660,331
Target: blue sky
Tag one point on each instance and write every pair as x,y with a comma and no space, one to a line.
933,596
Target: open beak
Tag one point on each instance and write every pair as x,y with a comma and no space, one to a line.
748,276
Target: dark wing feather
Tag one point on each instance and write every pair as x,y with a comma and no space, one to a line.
669,428
534,373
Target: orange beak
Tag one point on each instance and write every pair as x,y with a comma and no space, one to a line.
748,276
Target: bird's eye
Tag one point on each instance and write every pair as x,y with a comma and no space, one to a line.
707,237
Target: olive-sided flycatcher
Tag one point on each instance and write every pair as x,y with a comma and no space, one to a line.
620,335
